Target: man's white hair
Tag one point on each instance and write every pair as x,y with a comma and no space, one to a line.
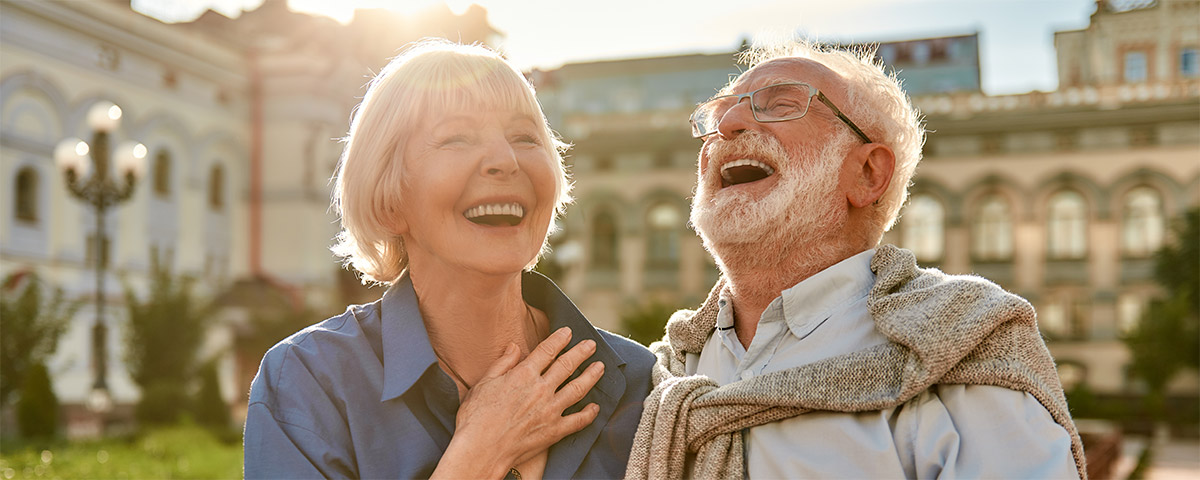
875,102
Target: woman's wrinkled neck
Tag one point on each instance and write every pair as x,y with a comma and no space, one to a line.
471,317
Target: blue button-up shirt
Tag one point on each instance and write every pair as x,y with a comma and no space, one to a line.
361,395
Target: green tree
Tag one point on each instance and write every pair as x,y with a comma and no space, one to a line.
1164,342
646,323
33,323
37,409
163,339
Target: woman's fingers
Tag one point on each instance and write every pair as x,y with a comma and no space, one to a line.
505,363
546,351
568,362
575,390
576,421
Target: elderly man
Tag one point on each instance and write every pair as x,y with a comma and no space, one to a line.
821,353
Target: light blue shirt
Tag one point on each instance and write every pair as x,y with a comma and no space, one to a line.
360,395
947,431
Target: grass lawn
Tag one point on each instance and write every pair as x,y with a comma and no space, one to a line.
169,452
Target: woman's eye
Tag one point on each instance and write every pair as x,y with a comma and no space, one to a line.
453,140
526,139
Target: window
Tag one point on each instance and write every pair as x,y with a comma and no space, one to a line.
162,173
1189,63
922,227
1067,226
1129,312
1064,318
992,234
604,164
1143,224
216,187
26,193
1135,67
663,160
920,53
604,241
662,243
1052,318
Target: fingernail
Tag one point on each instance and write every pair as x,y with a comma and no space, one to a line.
600,367
589,344
512,347
564,331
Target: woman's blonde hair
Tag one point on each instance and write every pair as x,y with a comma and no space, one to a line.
428,76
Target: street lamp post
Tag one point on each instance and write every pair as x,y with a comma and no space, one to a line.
101,191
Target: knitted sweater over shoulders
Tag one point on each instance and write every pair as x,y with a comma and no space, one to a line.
942,329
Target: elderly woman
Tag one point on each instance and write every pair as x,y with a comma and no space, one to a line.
447,187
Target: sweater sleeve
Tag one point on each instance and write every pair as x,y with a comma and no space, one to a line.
981,431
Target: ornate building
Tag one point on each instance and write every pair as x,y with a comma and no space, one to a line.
240,119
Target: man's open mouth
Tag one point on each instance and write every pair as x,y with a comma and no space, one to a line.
744,170
496,214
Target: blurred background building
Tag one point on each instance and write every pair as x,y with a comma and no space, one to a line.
1059,196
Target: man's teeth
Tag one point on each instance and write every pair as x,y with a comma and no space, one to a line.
512,209
744,162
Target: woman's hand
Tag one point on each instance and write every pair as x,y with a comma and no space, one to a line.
516,409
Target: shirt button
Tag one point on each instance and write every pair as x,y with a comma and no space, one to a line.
746,375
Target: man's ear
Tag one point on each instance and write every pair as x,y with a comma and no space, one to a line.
870,167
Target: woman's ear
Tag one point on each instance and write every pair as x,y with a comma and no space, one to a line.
392,218
872,166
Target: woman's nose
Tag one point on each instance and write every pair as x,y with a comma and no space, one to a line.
499,159
737,119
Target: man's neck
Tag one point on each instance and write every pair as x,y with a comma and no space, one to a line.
756,280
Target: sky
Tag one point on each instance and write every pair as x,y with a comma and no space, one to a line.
1016,36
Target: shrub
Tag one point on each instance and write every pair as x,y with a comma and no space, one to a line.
37,407
163,402
210,408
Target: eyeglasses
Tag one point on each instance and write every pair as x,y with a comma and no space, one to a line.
773,103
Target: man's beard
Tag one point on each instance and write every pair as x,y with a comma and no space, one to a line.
800,211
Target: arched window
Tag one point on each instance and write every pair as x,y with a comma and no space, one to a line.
662,234
922,227
1067,226
991,232
1143,225
604,241
26,194
162,173
216,187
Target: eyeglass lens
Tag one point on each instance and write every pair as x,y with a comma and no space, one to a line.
772,103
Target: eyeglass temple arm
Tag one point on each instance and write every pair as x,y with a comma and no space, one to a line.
841,116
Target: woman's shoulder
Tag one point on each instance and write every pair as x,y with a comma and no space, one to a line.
323,343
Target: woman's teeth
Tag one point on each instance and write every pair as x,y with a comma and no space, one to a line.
496,214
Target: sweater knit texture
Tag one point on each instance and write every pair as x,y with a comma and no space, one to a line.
942,329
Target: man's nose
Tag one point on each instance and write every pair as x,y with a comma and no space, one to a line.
737,119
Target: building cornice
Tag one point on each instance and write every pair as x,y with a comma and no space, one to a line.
117,25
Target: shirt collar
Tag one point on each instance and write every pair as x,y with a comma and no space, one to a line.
807,304
408,354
